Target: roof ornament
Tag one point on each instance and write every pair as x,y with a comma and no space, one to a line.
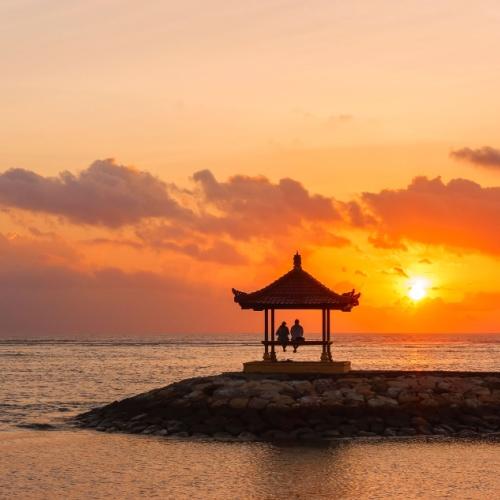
297,261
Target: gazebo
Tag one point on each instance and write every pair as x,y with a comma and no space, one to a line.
296,289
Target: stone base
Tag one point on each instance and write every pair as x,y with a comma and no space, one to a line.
311,367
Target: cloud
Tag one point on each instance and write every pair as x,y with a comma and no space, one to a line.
484,157
360,273
254,206
424,261
105,194
460,213
205,223
42,295
355,215
383,242
400,272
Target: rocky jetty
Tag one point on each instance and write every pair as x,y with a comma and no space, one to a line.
237,406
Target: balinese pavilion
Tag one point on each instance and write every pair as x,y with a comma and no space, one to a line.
296,289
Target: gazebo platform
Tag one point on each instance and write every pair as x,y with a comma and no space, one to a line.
306,367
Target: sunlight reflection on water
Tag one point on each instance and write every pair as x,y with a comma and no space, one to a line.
86,464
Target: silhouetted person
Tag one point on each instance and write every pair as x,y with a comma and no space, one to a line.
282,333
297,333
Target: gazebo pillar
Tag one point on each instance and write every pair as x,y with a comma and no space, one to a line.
324,353
273,351
328,335
266,335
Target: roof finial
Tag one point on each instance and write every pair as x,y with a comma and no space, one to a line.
297,261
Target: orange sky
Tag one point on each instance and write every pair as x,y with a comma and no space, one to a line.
364,134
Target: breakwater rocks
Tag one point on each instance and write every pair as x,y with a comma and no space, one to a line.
237,406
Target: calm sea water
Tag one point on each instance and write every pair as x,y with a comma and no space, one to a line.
48,381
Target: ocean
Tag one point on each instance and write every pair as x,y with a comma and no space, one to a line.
48,381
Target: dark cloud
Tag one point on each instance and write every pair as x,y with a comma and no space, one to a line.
360,273
219,251
485,157
460,213
63,299
355,214
400,271
119,242
106,194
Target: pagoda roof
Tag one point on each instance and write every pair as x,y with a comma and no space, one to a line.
296,289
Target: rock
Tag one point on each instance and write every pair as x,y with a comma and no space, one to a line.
234,428
470,419
334,395
247,436
174,426
280,407
379,401
443,386
223,436
310,437
398,420
301,430
257,403
219,403
179,435
492,419
363,389
466,433
331,433
280,435
38,426
321,385
406,431
238,403
439,431
200,435
152,429
366,434
394,392
481,391
428,381
472,403
226,393
284,400
429,402
377,427
419,421
397,384
424,430
353,396
309,401
348,430
303,387
406,397
270,395
448,428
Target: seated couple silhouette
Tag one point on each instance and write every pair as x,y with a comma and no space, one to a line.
296,332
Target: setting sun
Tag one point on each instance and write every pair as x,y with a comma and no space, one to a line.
418,289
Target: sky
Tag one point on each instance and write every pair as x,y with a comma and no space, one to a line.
155,154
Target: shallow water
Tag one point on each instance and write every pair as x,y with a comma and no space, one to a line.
84,464
48,381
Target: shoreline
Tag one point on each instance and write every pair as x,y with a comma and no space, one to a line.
256,407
